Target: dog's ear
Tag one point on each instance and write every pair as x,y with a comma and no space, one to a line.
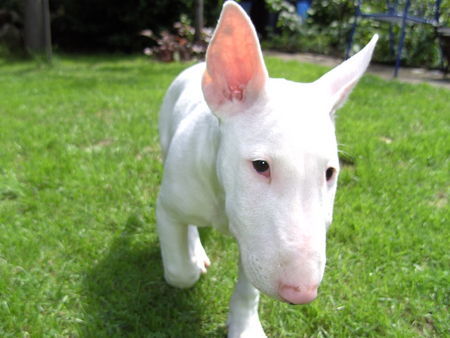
339,82
235,71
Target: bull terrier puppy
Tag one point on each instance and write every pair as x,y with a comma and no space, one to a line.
256,158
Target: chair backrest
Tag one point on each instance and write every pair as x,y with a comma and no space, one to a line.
414,11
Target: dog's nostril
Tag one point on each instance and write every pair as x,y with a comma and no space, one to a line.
297,295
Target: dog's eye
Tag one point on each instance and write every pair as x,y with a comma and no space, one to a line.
262,167
329,174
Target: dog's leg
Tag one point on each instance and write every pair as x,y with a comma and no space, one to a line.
243,319
184,258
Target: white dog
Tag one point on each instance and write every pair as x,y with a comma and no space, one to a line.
256,158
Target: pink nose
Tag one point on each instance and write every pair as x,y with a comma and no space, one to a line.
297,294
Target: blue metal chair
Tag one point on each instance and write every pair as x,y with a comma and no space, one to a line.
397,12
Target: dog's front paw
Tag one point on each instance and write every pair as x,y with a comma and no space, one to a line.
182,277
248,332
187,274
242,328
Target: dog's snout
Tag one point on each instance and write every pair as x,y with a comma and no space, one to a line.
297,294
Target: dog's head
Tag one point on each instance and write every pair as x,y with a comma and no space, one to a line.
277,158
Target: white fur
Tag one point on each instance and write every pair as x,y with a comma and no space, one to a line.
217,119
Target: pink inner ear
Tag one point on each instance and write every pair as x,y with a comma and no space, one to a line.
235,69
340,81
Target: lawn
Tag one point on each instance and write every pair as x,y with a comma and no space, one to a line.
79,175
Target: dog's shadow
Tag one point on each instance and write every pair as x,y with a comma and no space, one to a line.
126,295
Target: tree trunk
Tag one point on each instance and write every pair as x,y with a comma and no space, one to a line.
37,28
198,20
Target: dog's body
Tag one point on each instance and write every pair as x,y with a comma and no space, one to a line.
253,157
187,124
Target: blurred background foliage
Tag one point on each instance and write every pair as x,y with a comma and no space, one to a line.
112,25
116,26
327,28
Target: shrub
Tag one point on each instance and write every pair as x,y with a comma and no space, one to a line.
179,45
11,41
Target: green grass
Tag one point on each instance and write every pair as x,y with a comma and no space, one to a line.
79,175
